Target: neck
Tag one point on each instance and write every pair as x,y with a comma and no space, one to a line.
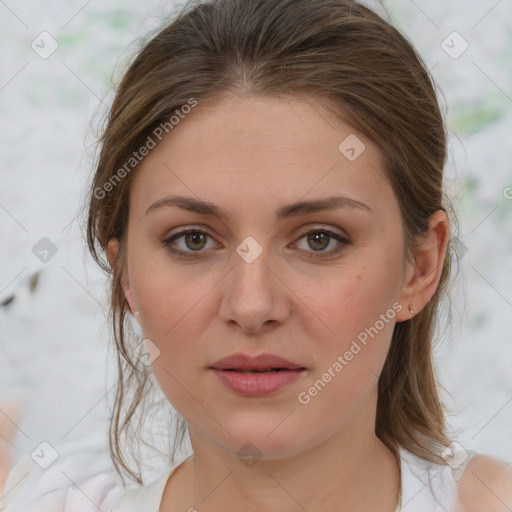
350,471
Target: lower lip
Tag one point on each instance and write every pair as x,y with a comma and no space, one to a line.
257,384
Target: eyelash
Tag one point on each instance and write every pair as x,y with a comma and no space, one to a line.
314,254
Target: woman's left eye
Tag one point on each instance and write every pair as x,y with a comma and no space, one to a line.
195,240
320,239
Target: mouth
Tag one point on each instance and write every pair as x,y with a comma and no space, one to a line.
265,374
263,363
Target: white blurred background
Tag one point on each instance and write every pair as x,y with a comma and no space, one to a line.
55,361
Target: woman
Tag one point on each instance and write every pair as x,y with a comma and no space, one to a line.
269,203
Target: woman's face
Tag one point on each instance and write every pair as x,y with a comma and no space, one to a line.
318,287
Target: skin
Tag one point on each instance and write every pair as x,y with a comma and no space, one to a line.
250,156
486,484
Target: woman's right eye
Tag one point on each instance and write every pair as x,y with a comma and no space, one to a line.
193,241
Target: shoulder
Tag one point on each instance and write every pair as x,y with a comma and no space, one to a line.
486,484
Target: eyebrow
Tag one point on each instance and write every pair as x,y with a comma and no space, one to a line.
301,207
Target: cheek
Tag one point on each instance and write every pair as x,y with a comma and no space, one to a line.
167,292
173,306
175,312
343,382
355,298
359,308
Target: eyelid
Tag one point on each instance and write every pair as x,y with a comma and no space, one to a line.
322,227
342,238
302,231
183,230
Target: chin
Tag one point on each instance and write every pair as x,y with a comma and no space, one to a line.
260,440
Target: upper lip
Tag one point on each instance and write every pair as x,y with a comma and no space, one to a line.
260,362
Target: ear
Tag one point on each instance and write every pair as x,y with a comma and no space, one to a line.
112,251
423,274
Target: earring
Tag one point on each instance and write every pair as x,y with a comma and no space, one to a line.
136,313
411,310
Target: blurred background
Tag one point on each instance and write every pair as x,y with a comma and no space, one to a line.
58,60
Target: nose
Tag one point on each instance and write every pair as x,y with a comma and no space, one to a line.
254,299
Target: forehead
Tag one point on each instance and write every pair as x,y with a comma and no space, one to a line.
258,152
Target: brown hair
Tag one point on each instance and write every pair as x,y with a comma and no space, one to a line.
337,51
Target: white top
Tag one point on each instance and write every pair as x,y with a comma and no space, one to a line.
31,488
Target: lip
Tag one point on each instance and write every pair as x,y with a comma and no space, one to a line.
260,362
231,371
